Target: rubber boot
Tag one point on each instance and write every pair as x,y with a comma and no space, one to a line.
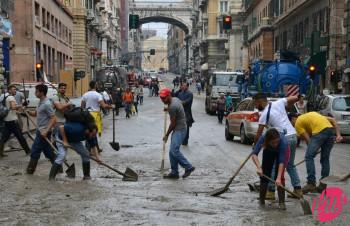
32,166
321,187
281,198
309,187
262,193
2,150
54,170
86,170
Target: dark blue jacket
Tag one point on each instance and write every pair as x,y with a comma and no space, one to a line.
187,100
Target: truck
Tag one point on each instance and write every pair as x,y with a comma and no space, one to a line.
282,77
221,82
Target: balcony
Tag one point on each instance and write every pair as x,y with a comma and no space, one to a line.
90,15
265,24
101,5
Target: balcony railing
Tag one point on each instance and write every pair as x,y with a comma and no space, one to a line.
266,22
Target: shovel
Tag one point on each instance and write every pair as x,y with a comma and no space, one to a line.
71,168
302,161
335,179
164,143
128,175
114,145
222,190
304,204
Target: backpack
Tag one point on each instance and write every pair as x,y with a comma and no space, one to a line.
79,115
4,111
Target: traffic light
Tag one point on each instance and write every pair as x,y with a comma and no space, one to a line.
152,52
227,23
133,21
39,67
312,71
78,74
333,76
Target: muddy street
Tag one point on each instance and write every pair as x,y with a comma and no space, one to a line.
107,200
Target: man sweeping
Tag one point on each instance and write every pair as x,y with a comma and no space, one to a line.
318,132
72,134
178,128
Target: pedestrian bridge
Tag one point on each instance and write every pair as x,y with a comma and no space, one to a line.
176,13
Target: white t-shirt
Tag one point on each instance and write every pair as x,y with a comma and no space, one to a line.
12,113
278,117
92,99
105,96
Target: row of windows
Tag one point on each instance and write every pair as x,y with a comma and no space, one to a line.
50,56
318,21
45,19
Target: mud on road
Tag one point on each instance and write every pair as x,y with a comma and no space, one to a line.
107,200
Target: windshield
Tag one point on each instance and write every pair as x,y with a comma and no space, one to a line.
224,79
341,104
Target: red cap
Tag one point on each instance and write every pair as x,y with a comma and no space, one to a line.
164,92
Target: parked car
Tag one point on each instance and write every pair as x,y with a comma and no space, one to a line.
337,106
243,122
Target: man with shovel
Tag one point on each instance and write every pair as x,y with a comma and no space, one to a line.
72,134
274,114
178,128
318,132
46,121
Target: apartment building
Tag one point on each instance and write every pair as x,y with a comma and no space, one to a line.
176,50
43,31
213,39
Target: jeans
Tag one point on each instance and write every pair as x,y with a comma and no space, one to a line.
77,146
270,165
325,141
40,145
175,156
291,169
141,99
221,114
128,109
13,127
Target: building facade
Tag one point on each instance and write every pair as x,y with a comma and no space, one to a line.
42,32
176,50
312,28
160,59
5,42
213,40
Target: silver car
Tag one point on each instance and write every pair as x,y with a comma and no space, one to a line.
337,106
244,121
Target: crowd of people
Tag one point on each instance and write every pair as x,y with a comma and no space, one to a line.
278,143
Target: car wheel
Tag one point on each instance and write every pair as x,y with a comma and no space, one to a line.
228,136
243,136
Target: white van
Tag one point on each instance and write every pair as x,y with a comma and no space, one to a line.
33,101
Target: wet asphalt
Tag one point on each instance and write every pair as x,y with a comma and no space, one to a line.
107,200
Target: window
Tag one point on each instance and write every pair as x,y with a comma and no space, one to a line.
48,21
59,29
43,15
52,24
341,104
56,26
223,6
70,37
37,13
243,105
306,27
38,51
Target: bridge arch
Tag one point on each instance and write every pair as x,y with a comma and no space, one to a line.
169,20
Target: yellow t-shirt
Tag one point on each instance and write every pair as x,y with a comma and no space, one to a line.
311,123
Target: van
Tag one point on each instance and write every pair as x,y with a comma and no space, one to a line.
33,101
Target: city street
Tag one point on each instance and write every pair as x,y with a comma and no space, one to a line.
107,200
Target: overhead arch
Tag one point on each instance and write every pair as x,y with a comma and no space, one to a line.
164,19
